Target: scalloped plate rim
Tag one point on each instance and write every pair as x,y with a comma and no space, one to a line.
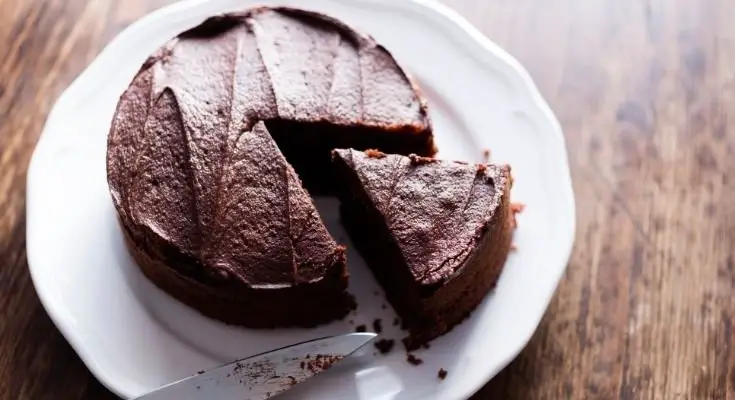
450,20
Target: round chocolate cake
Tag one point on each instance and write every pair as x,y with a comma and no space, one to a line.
211,142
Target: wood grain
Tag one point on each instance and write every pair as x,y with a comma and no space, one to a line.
643,89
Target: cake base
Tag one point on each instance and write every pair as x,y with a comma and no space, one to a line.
302,305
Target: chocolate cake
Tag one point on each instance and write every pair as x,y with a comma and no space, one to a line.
206,144
435,233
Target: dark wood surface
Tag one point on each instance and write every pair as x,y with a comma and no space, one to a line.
644,90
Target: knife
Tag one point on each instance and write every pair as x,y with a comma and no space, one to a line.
264,375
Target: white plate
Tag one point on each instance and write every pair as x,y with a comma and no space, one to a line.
134,337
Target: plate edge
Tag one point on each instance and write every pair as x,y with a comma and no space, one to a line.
451,17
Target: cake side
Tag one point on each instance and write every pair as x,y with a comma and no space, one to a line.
453,301
305,305
430,301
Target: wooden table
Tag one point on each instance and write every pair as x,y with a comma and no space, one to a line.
644,91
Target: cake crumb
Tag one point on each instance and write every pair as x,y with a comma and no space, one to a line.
200,372
418,160
377,326
486,155
517,207
511,179
426,345
322,362
361,328
373,153
352,322
384,307
442,373
396,321
302,365
384,346
481,168
412,359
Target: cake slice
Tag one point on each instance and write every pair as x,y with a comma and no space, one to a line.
435,233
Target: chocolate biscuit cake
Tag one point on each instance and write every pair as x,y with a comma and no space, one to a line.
212,140
436,234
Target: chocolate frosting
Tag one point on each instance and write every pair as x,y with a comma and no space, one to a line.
435,210
191,164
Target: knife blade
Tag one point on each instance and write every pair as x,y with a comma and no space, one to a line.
264,375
